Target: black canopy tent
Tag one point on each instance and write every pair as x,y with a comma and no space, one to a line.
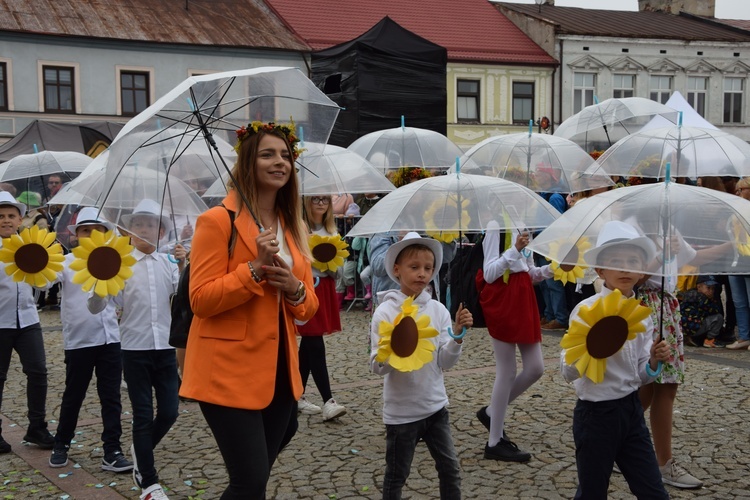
386,73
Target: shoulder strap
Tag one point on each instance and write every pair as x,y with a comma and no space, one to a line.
232,229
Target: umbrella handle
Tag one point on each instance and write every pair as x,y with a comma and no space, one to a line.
172,259
316,281
459,336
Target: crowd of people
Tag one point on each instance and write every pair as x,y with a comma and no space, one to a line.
263,301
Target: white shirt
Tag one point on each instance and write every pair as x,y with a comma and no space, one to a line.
495,263
146,311
80,327
626,369
412,396
16,298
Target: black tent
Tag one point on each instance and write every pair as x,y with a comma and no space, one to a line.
384,74
89,138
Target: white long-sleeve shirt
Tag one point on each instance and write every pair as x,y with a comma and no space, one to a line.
16,299
496,263
412,396
626,369
80,327
146,311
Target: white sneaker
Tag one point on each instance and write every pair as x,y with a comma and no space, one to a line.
739,344
674,475
306,407
154,492
332,410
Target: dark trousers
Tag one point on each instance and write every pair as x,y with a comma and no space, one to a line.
29,345
401,442
147,371
312,359
250,440
606,432
80,365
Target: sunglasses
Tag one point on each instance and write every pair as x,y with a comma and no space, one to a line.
319,200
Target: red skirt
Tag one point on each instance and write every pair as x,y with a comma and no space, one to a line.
327,319
510,309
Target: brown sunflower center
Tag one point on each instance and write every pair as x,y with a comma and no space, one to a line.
324,252
607,336
405,337
571,257
104,263
31,258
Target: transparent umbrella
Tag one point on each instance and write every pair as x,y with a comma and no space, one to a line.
32,169
600,125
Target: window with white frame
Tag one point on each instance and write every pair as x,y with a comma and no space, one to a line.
733,90
59,91
697,87
584,88
134,92
3,86
523,102
623,86
660,88
467,101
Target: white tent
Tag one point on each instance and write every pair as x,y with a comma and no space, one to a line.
690,117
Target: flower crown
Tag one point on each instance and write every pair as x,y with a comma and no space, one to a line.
405,175
288,129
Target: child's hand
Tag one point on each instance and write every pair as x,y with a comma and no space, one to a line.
659,352
522,241
187,232
180,253
463,318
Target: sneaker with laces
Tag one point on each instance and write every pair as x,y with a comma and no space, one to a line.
116,462
154,492
59,457
674,475
41,437
710,343
506,451
332,410
739,344
306,407
137,478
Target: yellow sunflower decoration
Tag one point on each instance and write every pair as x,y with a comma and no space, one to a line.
32,256
569,272
103,261
442,219
608,324
403,343
328,252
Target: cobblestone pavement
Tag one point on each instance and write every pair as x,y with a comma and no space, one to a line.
345,458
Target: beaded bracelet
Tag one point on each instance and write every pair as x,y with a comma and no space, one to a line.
252,272
652,373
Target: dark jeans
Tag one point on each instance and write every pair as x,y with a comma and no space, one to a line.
29,345
80,365
401,442
606,432
312,359
146,371
250,440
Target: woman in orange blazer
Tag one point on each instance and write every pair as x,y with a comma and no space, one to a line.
241,359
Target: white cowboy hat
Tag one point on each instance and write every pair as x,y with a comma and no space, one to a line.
618,233
90,216
412,238
7,199
148,207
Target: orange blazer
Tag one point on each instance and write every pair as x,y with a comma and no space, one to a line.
232,348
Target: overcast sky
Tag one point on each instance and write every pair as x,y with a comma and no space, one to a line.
725,9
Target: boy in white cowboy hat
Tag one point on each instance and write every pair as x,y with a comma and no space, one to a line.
608,423
414,402
91,343
20,331
149,362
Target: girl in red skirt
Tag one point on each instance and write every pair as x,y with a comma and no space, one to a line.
312,351
510,310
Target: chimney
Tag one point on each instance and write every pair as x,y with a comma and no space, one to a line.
706,8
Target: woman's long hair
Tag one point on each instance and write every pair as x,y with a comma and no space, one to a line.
329,224
288,202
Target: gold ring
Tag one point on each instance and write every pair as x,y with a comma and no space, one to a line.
274,242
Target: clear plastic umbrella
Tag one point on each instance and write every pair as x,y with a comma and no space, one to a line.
604,123
714,224
541,162
33,168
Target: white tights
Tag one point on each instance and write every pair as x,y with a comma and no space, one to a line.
507,385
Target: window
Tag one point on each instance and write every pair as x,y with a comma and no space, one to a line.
467,102
523,102
733,89
623,86
59,96
3,86
584,86
134,92
696,93
661,88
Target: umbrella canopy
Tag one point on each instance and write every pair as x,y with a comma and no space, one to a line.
541,162
692,152
445,205
602,124
712,223
34,168
406,146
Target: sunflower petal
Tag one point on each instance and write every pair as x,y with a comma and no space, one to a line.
574,353
90,282
125,273
87,244
81,276
101,288
78,264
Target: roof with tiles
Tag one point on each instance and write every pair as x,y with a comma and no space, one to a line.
228,23
471,30
629,24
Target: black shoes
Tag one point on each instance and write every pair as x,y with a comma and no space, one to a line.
4,446
41,437
116,462
483,417
59,457
506,451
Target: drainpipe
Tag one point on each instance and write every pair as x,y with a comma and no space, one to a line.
552,106
560,87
